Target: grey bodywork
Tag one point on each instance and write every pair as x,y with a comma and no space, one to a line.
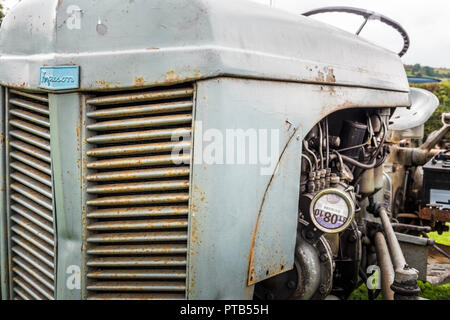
168,41
254,67
409,122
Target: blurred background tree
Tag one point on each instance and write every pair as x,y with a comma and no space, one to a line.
1,13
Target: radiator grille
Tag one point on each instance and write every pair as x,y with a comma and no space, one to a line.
31,197
138,191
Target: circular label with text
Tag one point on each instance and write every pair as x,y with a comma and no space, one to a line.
331,211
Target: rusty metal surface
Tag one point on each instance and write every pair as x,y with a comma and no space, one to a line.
138,224
31,139
32,162
423,104
139,174
31,210
139,162
137,207
137,98
139,212
29,105
139,136
142,274
148,122
137,296
275,223
31,150
196,30
214,219
398,259
30,128
138,149
157,236
386,267
416,251
434,214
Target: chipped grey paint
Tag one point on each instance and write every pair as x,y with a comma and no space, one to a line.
65,122
226,199
308,73
162,42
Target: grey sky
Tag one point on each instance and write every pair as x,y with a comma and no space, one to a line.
427,22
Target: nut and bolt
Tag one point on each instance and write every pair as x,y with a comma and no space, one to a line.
291,284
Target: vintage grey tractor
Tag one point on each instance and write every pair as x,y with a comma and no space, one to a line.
194,149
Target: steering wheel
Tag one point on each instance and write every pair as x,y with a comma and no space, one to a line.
368,15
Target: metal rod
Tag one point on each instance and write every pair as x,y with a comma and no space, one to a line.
316,161
394,246
385,264
411,227
362,26
327,131
321,145
359,164
441,251
309,162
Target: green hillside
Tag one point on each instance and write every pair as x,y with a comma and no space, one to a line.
418,70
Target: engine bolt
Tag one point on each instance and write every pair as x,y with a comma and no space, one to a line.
323,257
270,296
291,284
323,289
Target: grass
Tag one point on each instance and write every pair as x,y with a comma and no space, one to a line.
442,91
441,239
428,291
442,292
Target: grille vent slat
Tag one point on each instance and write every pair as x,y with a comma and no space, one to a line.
148,135
30,106
137,296
138,187
31,197
31,150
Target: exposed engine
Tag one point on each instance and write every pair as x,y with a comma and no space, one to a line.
342,168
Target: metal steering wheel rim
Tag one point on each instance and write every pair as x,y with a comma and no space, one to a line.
368,15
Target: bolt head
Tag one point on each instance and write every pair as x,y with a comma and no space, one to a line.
406,275
291,284
323,289
270,296
310,234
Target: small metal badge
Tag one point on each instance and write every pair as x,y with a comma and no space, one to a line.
60,77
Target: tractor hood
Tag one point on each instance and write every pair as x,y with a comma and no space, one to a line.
142,43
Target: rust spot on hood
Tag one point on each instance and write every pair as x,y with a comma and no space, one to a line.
171,76
107,84
320,77
330,75
139,81
327,75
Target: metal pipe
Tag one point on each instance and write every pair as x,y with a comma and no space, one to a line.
405,279
328,143
309,162
305,145
411,227
441,251
385,264
321,145
383,140
394,247
362,26
359,164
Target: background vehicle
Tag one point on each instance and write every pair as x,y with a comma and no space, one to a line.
98,206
